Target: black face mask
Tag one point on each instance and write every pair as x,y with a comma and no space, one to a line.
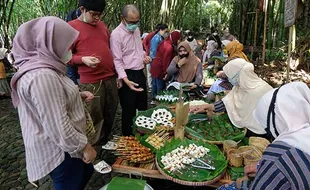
190,39
183,55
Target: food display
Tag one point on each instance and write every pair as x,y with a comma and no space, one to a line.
193,161
159,118
146,122
158,139
168,97
130,149
197,103
162,116
215,129
182,156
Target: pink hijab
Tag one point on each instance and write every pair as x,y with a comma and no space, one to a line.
41,43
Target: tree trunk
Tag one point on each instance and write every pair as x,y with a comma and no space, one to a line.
270,24
281,24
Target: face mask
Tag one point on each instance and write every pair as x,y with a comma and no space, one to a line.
190,38
234,80
183,55
67,57
131,27
165,35
84,17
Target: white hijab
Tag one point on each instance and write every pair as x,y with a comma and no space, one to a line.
242,99
292,115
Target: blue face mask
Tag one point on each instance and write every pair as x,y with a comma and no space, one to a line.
235,80
165,35
131,27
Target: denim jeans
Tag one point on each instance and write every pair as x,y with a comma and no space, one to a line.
71,174
72,73
158,85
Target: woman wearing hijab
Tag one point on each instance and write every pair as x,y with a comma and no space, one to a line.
235,50
49,105
165,53
5,90
211,51
186,67
242,99
284,113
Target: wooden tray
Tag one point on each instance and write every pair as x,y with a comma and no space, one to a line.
150,170
146,170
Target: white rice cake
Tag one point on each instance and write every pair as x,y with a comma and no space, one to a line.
145,122
161,115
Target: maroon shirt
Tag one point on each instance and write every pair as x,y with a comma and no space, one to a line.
92,41
147,42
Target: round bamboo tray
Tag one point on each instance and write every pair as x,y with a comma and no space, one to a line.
189,183
208,141
258,142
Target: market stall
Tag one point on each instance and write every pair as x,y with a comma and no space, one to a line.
189,149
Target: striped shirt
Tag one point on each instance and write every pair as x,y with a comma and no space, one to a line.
283,167
219,106
52,120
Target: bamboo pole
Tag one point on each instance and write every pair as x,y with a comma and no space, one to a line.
265,35
289,54
255,31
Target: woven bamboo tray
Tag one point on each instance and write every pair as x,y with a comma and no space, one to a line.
150,170
189,183
211,142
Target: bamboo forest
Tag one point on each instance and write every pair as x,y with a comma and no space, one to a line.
154,94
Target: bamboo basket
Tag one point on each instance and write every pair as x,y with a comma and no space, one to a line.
229,145
258,142
252,156
243,149
235,158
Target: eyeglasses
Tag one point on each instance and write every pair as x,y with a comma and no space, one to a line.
131,22
95,15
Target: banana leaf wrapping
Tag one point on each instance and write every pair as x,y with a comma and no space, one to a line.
148,113
174,93
194,174
217,129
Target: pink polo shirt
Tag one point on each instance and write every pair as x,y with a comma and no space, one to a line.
127,50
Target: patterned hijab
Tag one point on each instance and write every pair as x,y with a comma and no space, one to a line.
41,43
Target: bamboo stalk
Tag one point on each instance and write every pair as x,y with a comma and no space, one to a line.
255,30
265,35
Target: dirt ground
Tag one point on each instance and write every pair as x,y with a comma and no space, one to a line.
13,174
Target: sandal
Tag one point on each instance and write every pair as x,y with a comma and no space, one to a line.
102,167
110,146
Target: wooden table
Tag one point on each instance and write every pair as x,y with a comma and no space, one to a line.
149,170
